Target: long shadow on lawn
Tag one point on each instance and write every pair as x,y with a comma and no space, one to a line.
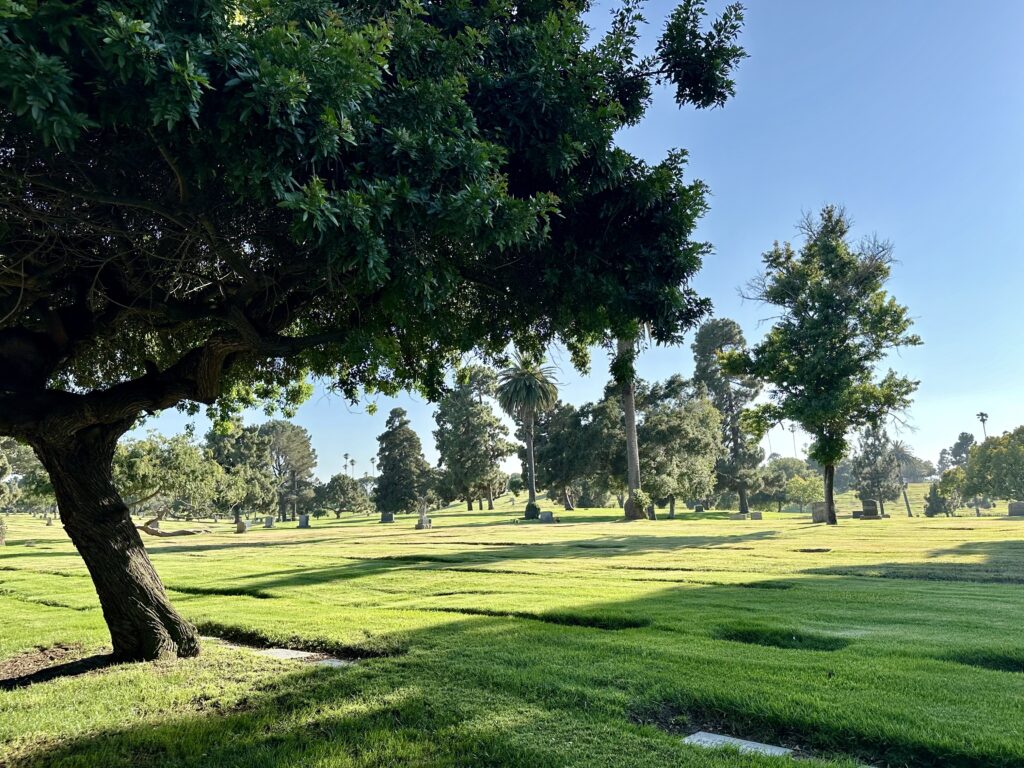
478,691
1003,564
498,555
67,669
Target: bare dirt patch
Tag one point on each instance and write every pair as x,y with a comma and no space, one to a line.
42,664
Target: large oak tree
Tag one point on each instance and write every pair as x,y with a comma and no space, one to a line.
205,202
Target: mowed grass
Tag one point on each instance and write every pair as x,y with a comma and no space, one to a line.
592,642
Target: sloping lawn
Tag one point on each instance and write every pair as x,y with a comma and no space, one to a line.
483,642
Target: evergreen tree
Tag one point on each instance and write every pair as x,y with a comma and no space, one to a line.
244,453
961,449
875,471
403,474
739,468
470,438
292,460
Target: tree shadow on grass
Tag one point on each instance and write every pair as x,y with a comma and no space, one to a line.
500,555
67,669
504,691
1003,563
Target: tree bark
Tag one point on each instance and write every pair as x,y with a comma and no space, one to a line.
744,504
625,347
907,501
469,502
142,622
671,507
531,467
830,500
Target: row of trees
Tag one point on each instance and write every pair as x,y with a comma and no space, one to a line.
974,473
251,470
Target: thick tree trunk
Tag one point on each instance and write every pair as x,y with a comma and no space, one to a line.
469,502
907,501
490,499
830,499
744,504
671,507
568,500
480,503
531,467
625,346
142,622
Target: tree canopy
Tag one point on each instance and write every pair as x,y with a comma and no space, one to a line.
836,325
738,469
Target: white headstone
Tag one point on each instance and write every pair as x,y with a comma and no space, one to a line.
268,521
716,741
303,521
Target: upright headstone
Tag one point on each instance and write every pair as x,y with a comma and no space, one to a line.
698,508
1015,509
242,526
857,514
756,515
547,516
818,513
737,516
387,517
268,521
423,523
303,521
49,521
869,509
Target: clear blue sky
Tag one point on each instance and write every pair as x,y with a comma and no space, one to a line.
910,114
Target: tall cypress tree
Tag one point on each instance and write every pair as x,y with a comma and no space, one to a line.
404,473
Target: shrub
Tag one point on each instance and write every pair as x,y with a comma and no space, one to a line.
532,511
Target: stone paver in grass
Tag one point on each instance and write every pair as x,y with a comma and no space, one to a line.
285,653
290,654
715,741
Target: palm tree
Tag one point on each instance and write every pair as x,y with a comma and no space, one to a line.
983,417
525,389
902,455
344,464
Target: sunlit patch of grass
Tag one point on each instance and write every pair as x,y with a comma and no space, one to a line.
590,642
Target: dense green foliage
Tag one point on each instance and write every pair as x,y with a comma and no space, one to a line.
470,438
403,474
875,470
292,460
739,469
996,467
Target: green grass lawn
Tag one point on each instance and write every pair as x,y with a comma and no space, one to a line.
593,642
